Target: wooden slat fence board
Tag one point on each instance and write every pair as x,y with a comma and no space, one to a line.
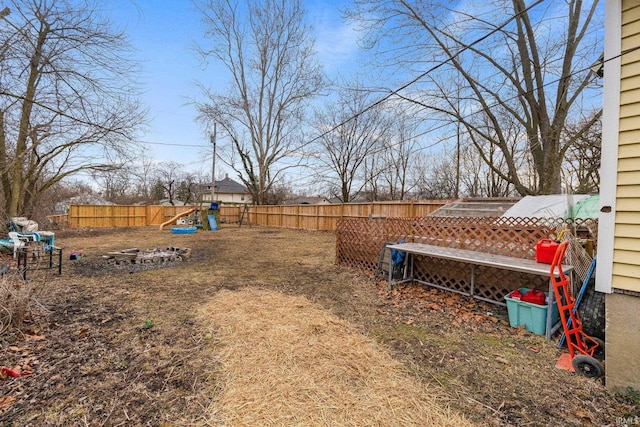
230,214
155,215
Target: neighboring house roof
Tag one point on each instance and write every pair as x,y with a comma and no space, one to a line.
550,206
226,186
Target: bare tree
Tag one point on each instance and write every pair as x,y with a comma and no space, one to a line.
529,64
169,175
115,185
56,200
267,49
279,193
373,165
348,135
479,180
483,171
583,159
66,96
434,177
189,186
399,152
143,171
173,182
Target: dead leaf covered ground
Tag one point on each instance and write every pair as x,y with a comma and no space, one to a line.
114,346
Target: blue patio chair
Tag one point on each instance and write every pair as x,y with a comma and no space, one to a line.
22,226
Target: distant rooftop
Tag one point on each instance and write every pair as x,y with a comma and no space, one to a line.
228,186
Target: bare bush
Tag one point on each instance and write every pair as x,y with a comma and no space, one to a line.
18,300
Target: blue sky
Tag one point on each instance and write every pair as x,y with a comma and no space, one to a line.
164,34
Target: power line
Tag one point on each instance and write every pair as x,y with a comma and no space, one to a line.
415,80
411,82
496,104
504,101
356,115
424,74
420,77
172,144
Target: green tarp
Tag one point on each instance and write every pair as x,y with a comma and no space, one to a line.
586,208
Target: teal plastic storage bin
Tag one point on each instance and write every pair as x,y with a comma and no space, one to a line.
533,316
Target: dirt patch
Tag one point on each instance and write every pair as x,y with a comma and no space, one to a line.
130,348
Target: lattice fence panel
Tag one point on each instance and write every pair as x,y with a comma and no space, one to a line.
359,242
447,274
515,237
493,283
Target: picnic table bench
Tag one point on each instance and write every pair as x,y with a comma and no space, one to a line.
475,258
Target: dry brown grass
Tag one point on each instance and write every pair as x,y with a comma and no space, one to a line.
18,300
95,362
286,361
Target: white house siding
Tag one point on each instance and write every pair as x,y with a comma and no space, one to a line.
229,198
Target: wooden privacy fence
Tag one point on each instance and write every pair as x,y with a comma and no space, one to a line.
95,216
360,241
325,217
305,217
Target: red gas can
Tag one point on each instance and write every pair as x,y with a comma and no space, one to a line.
534,296
545,250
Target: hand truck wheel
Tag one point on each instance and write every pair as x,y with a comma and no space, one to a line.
588,366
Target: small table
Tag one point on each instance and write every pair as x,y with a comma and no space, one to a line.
30,259
477,258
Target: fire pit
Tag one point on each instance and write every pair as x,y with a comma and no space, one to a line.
151,256
129,260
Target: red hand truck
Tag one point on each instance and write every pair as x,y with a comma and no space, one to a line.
585,352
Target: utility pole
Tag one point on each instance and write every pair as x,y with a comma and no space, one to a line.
457,190
213,165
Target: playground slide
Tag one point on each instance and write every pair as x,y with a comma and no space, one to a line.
175,218
213,225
